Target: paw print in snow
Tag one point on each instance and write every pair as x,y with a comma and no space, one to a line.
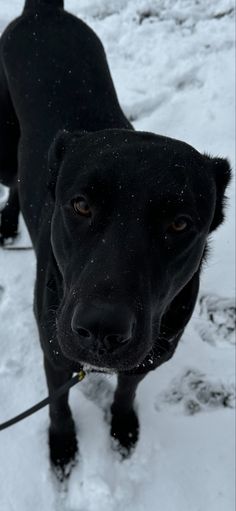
1,293
217,320
194,393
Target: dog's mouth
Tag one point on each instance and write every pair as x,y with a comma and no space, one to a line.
98,360
103,336
95,357
146,348
160,351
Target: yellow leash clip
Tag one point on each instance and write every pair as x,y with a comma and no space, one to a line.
81,375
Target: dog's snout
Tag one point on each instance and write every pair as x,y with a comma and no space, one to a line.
108,325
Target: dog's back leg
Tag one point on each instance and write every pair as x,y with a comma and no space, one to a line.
9,138
10,215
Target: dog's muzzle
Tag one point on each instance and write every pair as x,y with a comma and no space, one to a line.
103,327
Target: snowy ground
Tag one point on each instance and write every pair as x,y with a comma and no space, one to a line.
173,67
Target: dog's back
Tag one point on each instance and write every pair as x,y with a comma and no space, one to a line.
57,70
57,77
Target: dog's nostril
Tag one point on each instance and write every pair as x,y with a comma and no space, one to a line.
114,340
124,340
82,332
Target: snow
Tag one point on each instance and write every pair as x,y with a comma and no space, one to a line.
173,67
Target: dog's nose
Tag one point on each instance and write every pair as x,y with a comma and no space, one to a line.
106,325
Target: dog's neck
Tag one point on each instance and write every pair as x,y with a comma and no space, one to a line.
35,5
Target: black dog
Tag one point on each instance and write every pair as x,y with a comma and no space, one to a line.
119,219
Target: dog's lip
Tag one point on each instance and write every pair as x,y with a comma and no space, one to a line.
91,361
97,364
86,364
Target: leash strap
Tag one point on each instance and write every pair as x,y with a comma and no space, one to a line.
73,381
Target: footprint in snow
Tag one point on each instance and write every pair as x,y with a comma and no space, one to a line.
193,392
10,367
216,324
1,292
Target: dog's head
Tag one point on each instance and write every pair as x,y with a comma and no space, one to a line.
132,215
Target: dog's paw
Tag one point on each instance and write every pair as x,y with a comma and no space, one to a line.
8,236
63,452
125,431
8,227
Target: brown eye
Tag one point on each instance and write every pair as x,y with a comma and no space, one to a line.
179,225
81,206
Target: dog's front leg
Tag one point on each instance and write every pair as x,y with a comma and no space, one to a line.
62,435
124,422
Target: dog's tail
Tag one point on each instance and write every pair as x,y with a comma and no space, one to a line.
35,5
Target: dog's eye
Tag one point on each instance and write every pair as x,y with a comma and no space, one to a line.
81,206
180,224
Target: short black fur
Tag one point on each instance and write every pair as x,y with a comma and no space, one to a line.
116,285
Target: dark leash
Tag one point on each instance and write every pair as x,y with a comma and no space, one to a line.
73,381
11,249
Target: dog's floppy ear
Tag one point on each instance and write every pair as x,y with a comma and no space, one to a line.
222,174
55,156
